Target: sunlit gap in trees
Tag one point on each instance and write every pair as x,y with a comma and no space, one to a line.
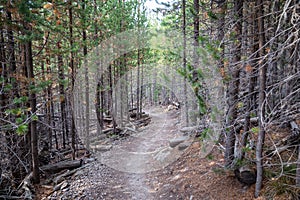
156,9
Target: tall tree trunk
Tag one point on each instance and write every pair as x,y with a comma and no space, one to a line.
233,88
126,96
138,85
220,35
251,73
47,91
110,92
11,137
73,128
3,74
131,89
51,106
142,89
87,86
261,98
195,61
184,63
3,71
100,102
33,128
115,103
62,98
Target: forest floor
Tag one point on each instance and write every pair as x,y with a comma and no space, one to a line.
143,166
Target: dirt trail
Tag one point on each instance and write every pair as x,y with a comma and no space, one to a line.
146,151
144,167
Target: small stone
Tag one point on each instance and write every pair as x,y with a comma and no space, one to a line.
88,160
78,173
103,147
183,146
188,129
176,177
61,186
64,185
174,142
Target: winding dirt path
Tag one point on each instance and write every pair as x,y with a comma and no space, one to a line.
144,167
123,171
144,152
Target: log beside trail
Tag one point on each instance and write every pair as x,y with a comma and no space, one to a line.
56,167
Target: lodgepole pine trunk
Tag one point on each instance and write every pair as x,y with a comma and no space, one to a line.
233,87
33,128
261,98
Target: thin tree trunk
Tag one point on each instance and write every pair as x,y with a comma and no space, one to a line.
87,86
3,71
62,97
195,61
261,98
142,90
115,103
184,63
251,73
138,85
73,128
11,137
126,97
33,128
138,90
110,92
131,90
221,27
45,67
99,102
233,89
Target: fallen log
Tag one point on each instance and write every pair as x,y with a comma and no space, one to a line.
130,129
63,176
134,115
56,167
66,152
188,129
132,109
144,121
108,130
107,119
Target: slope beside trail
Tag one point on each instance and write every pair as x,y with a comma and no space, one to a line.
143,166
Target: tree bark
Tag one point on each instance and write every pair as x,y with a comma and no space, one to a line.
73,128
261,98
233,88
56,167
33,128
186,106
87,86
195,62
61,77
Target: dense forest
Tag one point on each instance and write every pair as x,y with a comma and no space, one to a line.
72,71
